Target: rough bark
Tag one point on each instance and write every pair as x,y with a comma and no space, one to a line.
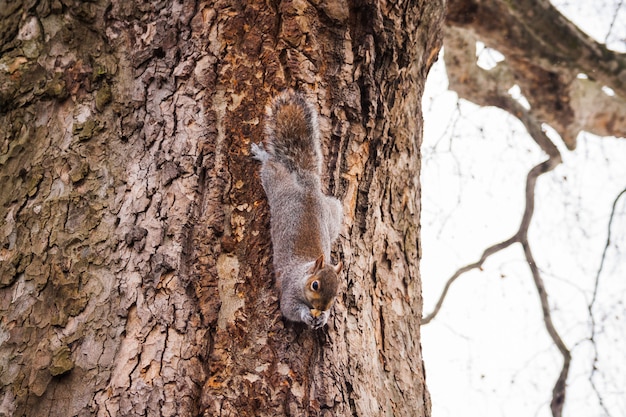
544,55
135,258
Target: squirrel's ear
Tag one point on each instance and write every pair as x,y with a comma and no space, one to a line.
337,268
319,264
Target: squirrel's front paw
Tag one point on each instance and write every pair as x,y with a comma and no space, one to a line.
314,318
258,152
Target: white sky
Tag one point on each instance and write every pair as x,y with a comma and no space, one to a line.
487,353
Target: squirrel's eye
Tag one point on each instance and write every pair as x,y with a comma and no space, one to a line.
315,285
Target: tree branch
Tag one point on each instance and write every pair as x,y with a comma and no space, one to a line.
545,53
535,31
558,392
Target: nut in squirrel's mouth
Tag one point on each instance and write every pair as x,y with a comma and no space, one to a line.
315,312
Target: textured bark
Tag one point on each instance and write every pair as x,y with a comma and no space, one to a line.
544,55
135,257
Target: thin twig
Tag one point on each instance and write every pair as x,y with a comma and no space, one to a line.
591,305
476,265
606,247
608,33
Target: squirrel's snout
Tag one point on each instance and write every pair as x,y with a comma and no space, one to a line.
315,312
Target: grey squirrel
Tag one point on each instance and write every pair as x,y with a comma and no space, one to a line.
304,222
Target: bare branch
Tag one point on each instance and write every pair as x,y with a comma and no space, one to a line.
558,392
489,88
520,236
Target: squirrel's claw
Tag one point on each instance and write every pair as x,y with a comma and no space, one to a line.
258,152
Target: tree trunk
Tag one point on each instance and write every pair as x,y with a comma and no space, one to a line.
135,258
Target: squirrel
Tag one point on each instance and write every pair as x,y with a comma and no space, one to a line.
304,221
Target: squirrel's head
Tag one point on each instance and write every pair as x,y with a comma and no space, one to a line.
321,286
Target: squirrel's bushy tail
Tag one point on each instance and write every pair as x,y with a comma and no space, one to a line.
292,133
